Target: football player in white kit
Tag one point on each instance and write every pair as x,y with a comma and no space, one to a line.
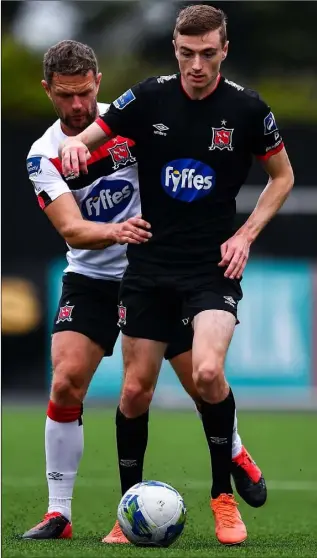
96,214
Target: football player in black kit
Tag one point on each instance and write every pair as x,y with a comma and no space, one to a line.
196,134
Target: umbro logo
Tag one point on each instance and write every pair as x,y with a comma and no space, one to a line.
128,462
161,129
55,476
71,176
217,440
230,300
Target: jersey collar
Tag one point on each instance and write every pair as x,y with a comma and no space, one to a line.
219,78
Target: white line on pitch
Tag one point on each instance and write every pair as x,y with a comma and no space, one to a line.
190,484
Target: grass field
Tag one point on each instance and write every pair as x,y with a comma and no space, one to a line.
283,444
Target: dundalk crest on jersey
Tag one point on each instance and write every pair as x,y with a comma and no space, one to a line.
121,154
221,139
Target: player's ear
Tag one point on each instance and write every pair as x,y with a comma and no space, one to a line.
46,88
225,51
175,47
98,80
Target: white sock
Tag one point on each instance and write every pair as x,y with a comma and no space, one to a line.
64,445
236,440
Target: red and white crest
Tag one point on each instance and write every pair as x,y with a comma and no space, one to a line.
121,154
221,139
65,313
122,313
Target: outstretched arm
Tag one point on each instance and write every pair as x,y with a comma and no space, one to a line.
75,151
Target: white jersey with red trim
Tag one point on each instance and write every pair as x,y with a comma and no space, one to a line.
108,193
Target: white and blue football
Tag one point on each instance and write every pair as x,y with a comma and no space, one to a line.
152,513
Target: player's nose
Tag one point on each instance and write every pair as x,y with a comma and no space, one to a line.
76,102
197,64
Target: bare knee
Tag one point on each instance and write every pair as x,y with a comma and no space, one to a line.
136,398
209,379
68,386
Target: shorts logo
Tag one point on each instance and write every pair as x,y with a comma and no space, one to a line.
106,200
187,180
65,313
121,155
221,139
229,300
269,124
124,99
122,313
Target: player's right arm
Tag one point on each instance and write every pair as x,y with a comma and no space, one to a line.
124,118
57,201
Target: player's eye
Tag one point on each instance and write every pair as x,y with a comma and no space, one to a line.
187,54
209,55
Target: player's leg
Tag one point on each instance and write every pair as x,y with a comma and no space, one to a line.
85,330
247,476
144,318
74,358
142,361
213,330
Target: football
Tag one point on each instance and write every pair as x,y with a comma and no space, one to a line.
152,513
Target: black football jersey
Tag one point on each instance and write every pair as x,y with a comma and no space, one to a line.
193,157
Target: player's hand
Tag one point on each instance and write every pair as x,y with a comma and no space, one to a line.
133,231
235,253
74,155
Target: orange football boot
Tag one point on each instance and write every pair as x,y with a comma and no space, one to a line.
116,536
229,526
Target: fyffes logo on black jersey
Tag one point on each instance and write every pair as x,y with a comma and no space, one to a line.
187,179
106,200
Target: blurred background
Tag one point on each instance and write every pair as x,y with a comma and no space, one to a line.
272,362
273,359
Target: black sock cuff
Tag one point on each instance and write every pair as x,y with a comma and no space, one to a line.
230,397
122,419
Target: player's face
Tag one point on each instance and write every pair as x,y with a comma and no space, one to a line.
75,99
199,58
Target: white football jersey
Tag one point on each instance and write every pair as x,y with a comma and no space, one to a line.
108,193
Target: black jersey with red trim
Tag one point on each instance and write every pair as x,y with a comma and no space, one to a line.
193,157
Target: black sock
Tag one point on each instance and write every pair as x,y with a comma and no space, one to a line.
132,436
218,422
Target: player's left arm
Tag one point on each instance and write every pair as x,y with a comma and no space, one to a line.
281,181
269,148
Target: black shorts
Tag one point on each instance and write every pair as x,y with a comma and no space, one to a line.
90,306
152,307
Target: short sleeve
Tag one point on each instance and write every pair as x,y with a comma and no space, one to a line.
125,115
46,179
266,139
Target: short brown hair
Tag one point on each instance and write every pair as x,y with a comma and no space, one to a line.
69,58
199,19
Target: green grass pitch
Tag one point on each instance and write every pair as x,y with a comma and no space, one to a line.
283,444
